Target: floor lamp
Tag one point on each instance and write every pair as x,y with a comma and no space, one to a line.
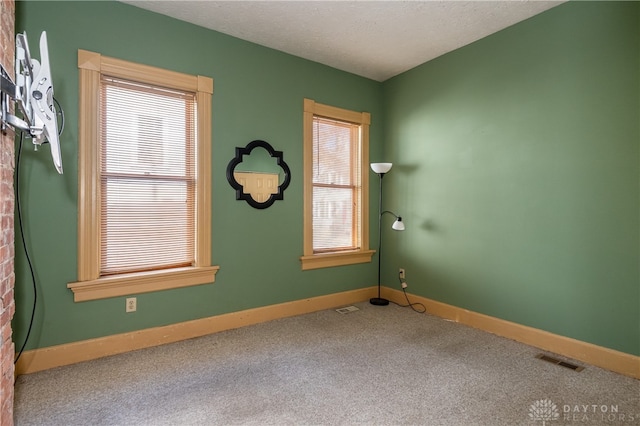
398,225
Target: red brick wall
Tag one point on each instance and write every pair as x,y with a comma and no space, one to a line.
7,277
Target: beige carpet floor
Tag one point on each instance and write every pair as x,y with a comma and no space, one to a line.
374,366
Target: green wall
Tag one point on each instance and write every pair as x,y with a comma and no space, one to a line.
258,94
516,170
517,173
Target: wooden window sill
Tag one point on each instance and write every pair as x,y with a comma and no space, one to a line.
327,260
142,282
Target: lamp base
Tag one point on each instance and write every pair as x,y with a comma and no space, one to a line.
378,301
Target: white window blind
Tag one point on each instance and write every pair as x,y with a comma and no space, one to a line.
336,185
147,177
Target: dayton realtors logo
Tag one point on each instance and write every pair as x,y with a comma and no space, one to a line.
545,410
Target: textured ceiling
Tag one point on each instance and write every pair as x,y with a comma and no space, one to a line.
374,39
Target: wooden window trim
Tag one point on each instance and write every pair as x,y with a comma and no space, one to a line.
311,260
90,285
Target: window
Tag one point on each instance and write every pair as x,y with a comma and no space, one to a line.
336,186
144,197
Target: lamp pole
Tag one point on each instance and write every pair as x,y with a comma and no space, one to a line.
380,169
379,301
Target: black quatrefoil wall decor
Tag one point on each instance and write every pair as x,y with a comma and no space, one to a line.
257,179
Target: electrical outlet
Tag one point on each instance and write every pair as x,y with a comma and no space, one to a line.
132,304
402,273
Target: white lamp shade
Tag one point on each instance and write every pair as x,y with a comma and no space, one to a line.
398,225
381,167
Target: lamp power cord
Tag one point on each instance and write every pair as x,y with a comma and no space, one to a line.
416,306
